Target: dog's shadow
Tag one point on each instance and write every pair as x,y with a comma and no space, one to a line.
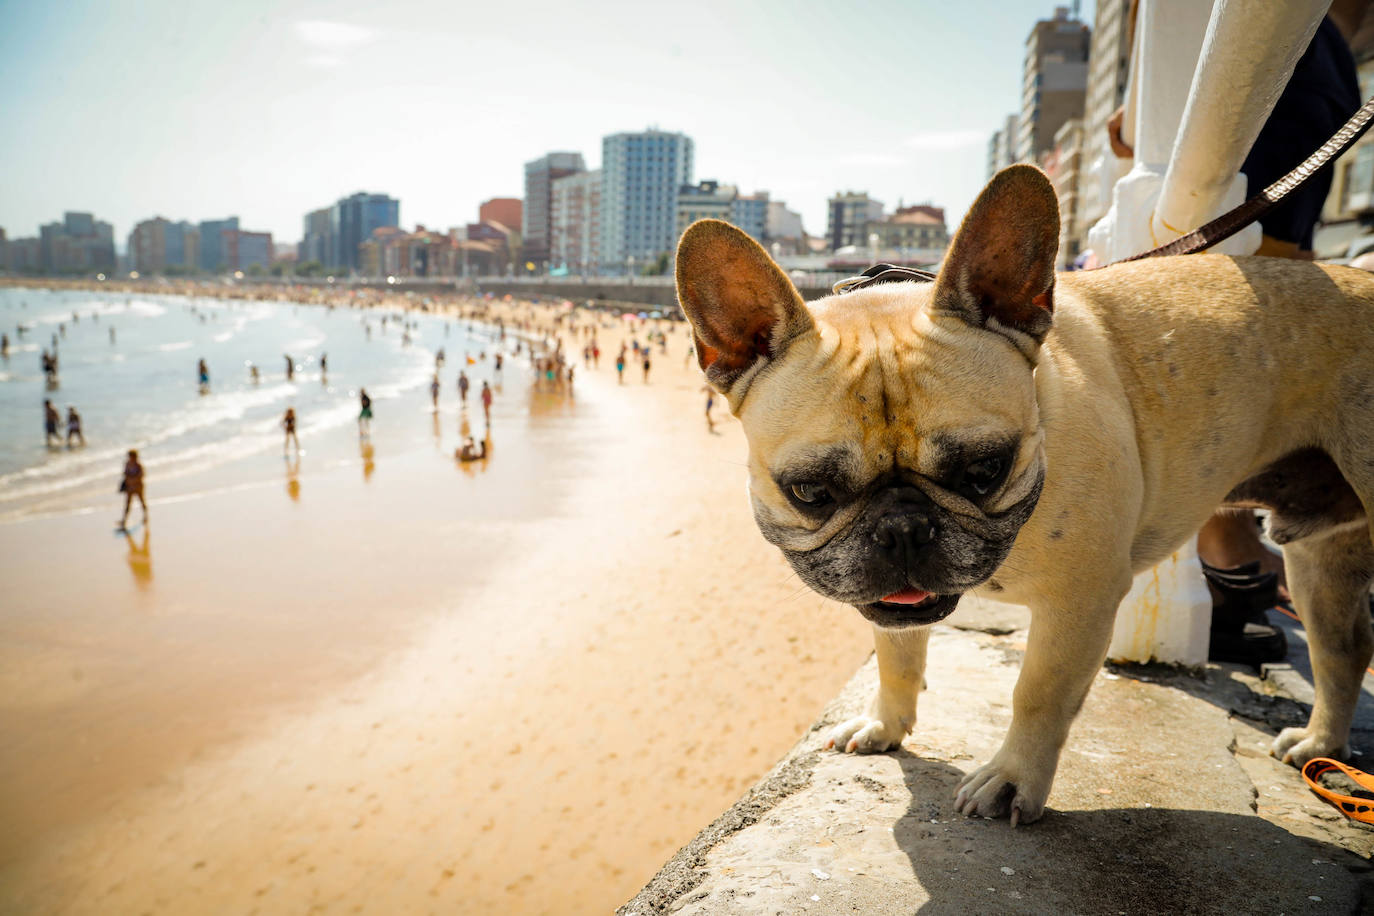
1122,860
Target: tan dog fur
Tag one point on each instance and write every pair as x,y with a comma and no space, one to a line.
1161,386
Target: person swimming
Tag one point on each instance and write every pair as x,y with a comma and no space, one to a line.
471,450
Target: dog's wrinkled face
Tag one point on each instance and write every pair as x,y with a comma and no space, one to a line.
894,455
895,443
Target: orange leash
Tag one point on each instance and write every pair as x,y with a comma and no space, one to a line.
1357,808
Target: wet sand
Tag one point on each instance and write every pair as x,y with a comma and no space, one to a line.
516,687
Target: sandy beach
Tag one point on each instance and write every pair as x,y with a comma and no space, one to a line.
391,683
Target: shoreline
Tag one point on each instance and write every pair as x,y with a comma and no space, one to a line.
365,697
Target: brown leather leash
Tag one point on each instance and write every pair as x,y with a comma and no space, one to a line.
1231,222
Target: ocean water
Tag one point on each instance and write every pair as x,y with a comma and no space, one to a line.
140,389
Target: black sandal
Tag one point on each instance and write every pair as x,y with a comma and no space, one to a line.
1240,630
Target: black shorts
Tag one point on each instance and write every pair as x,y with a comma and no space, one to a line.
1321,96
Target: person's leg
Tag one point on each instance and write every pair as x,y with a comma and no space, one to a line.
1231,538
128,500
143,504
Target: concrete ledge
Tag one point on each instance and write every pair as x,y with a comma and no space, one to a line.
1166,802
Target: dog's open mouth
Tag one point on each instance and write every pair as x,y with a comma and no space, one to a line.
910,607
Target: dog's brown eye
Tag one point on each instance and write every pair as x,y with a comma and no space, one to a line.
812,494
982,476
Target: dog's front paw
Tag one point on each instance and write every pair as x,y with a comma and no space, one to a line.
999,789
865,735
1297,746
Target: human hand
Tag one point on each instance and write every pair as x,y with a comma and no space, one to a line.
1119,147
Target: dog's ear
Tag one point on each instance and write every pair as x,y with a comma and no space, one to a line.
742,307
999,271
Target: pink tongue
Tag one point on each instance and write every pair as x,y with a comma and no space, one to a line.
907,596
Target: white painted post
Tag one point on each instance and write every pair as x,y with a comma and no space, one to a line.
1167,615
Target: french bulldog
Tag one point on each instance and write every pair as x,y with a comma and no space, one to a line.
1040,438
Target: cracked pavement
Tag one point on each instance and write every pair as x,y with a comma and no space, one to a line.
1166,801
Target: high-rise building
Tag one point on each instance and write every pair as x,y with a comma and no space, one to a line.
78,244
641,175
316,239
847,216
782,223
183,244
1109,63
536,227
1056,79
1002,147
212,256
158,244
23,255
1064,166
148,246
750,213
575,244
703,200
243,250
353,220
508,211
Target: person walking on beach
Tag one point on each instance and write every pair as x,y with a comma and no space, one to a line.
74,427
496,368
365,415
324,364
131,486
620,366
646,365
203,372
290,367
463,385
434,391
5,346
288,423
50,420
486,402
710,402
253,373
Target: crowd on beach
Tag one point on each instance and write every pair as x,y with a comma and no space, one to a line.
533,331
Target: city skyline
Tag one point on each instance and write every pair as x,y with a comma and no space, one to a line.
193,113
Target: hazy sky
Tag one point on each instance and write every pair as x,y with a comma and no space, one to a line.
269,109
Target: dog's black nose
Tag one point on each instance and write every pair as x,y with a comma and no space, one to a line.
901,536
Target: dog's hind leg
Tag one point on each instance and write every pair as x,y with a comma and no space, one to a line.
892,713
1329,574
